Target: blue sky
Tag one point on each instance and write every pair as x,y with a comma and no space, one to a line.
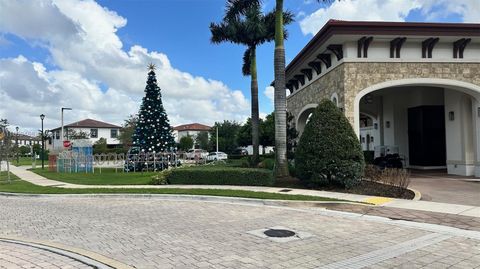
93,55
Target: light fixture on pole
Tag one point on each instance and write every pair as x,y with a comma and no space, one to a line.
42,117
61,135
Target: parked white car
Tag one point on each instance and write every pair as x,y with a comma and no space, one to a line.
196,154
216,156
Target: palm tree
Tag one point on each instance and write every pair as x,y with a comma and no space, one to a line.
251,28
280,96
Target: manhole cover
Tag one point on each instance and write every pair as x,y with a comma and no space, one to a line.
278,233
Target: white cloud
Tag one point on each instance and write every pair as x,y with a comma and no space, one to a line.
468,10
85,47
35,19
389,10
364,10
269,93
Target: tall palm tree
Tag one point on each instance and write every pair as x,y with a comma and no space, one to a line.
280,96
251,28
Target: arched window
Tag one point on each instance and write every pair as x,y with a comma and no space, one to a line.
334,98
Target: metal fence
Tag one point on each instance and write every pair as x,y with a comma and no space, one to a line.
75,162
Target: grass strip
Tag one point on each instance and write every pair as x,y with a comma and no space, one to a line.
20,186
105,176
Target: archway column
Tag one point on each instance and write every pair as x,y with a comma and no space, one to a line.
302,118
476,134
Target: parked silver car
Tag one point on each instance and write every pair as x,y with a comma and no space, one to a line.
216,156
196,154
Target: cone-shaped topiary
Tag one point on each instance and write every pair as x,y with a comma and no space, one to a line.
329,151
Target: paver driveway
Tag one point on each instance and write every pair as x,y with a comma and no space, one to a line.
157,233
436,186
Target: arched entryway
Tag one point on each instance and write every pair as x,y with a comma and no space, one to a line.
431,123
303,117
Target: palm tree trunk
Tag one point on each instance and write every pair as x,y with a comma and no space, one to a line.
255,117
280,98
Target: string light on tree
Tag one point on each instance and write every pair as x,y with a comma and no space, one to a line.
153,132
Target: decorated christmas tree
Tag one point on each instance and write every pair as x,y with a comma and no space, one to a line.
153,132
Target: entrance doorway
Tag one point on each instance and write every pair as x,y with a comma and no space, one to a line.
426,136
428,127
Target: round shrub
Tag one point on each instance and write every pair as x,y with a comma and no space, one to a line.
329,151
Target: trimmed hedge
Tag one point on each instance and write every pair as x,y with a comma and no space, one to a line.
329,150
220,175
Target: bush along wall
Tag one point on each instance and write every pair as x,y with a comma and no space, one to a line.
220,175
329,151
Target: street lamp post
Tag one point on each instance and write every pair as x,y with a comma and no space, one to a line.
16,144
42,117
61,135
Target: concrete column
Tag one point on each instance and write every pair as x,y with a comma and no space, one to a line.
461,148
476,134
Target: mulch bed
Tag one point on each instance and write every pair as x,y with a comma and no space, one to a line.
364,188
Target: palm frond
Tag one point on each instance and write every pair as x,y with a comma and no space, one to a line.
247,60
237,8
269,22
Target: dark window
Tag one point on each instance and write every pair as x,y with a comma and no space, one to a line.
57,134
93,133
113,133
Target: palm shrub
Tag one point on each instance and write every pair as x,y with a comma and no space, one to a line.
329,151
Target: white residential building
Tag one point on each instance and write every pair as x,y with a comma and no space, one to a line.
192,130
94,129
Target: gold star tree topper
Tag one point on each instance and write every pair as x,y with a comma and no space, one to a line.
151,67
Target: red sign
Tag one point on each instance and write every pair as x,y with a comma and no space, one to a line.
66,143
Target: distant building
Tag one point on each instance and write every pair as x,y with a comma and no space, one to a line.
93,129
25,140
192,130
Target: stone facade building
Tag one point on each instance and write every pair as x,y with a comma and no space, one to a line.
406,88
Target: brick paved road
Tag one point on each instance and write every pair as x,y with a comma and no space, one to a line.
155,233
452,220
13,256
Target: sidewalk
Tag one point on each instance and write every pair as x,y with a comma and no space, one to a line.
445,208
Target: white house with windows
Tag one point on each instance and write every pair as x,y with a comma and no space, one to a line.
94,130
192,130
25,140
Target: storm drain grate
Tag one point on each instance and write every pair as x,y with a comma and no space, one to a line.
279,233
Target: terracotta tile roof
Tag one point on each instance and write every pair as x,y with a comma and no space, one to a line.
89,123
192,127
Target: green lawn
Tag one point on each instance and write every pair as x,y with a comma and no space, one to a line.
4,176
26,161
108,176
20,186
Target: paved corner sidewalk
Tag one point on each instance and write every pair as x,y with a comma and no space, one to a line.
445,208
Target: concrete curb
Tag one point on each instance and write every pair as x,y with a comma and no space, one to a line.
418,195
84,256
188,197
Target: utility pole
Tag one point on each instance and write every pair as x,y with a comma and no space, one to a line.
42,117
16,144
217,139
61,135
